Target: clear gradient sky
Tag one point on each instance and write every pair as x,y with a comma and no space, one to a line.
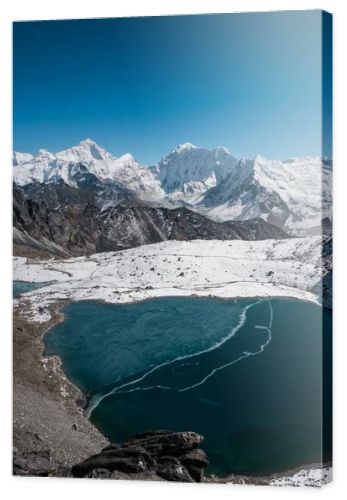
250,82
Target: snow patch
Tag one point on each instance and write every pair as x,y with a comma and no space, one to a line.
306,477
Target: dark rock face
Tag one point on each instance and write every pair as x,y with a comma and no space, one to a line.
157,455
65,221
161,443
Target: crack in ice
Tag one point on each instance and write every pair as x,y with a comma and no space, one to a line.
96,399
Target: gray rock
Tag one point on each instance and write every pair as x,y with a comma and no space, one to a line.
35,463
153,455
171,469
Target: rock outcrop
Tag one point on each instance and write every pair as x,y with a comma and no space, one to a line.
154,455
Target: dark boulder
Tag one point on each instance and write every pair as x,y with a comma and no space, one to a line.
195,461
171,469
154,455
130,459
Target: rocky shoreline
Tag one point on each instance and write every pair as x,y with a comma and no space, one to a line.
52,436
50,431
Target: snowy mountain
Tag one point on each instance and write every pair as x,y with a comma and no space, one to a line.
294,194
87,156
188,171
181,176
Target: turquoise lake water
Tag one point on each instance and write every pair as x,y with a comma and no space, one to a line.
246,374
19,287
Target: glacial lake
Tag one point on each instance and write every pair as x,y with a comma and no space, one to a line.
19,287
246,374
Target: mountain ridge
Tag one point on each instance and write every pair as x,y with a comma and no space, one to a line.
294,194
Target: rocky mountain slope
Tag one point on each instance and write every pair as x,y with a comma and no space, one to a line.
62,220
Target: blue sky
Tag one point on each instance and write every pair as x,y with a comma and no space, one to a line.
250,82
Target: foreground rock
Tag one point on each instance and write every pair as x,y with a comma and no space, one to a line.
157,455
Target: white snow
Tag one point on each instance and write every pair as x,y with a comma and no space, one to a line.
226,269
185,146
21,157
306,477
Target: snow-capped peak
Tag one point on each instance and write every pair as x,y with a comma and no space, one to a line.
86,151
259,159
222,149
88,142
184,147
127,157
44,153
189,171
